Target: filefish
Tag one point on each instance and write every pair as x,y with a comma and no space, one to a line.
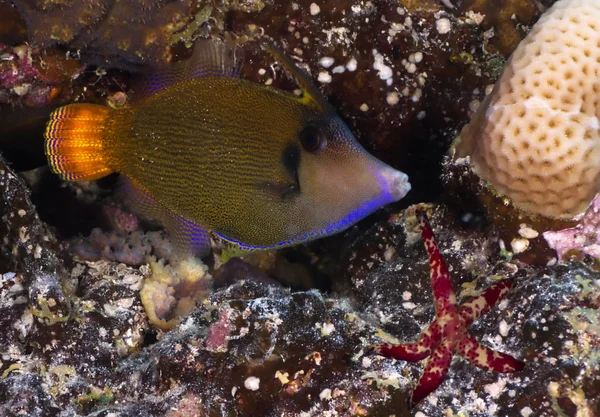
203,150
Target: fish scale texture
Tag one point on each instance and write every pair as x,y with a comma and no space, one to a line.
536,137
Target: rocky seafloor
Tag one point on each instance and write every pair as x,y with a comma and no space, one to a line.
94,322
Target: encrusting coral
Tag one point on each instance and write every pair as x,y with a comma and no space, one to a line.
130,249
505,17
35,77
173,291
135,30
582,239
124,33
535,138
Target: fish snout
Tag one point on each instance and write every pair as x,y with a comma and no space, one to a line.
394,183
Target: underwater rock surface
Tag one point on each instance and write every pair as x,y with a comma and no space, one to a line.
76,340
253,348
539,321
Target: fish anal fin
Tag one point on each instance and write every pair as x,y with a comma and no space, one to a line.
189,238
311,94
210,58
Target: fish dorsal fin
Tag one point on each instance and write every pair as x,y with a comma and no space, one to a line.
210,58
311,95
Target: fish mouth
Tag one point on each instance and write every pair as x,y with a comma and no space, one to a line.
394,183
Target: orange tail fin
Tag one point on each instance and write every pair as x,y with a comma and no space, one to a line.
74,142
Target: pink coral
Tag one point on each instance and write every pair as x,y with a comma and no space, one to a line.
120,220
188,406
584,237
33,76
218,333
16,66
130,249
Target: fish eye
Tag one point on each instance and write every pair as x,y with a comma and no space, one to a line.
313,139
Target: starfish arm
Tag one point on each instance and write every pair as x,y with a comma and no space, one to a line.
486,358
448,332
435,370
475,307
441,284
412,352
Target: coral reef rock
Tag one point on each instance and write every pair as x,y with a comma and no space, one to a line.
75,338
136,29
548,319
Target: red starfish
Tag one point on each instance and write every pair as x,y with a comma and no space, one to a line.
448,332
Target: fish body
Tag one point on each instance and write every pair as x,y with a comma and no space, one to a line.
207,150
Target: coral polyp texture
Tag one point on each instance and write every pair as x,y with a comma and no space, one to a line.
536,136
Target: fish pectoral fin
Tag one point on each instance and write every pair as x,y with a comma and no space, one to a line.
210,58
189,238
311,94
281,190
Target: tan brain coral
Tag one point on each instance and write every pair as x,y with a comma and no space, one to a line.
536,137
